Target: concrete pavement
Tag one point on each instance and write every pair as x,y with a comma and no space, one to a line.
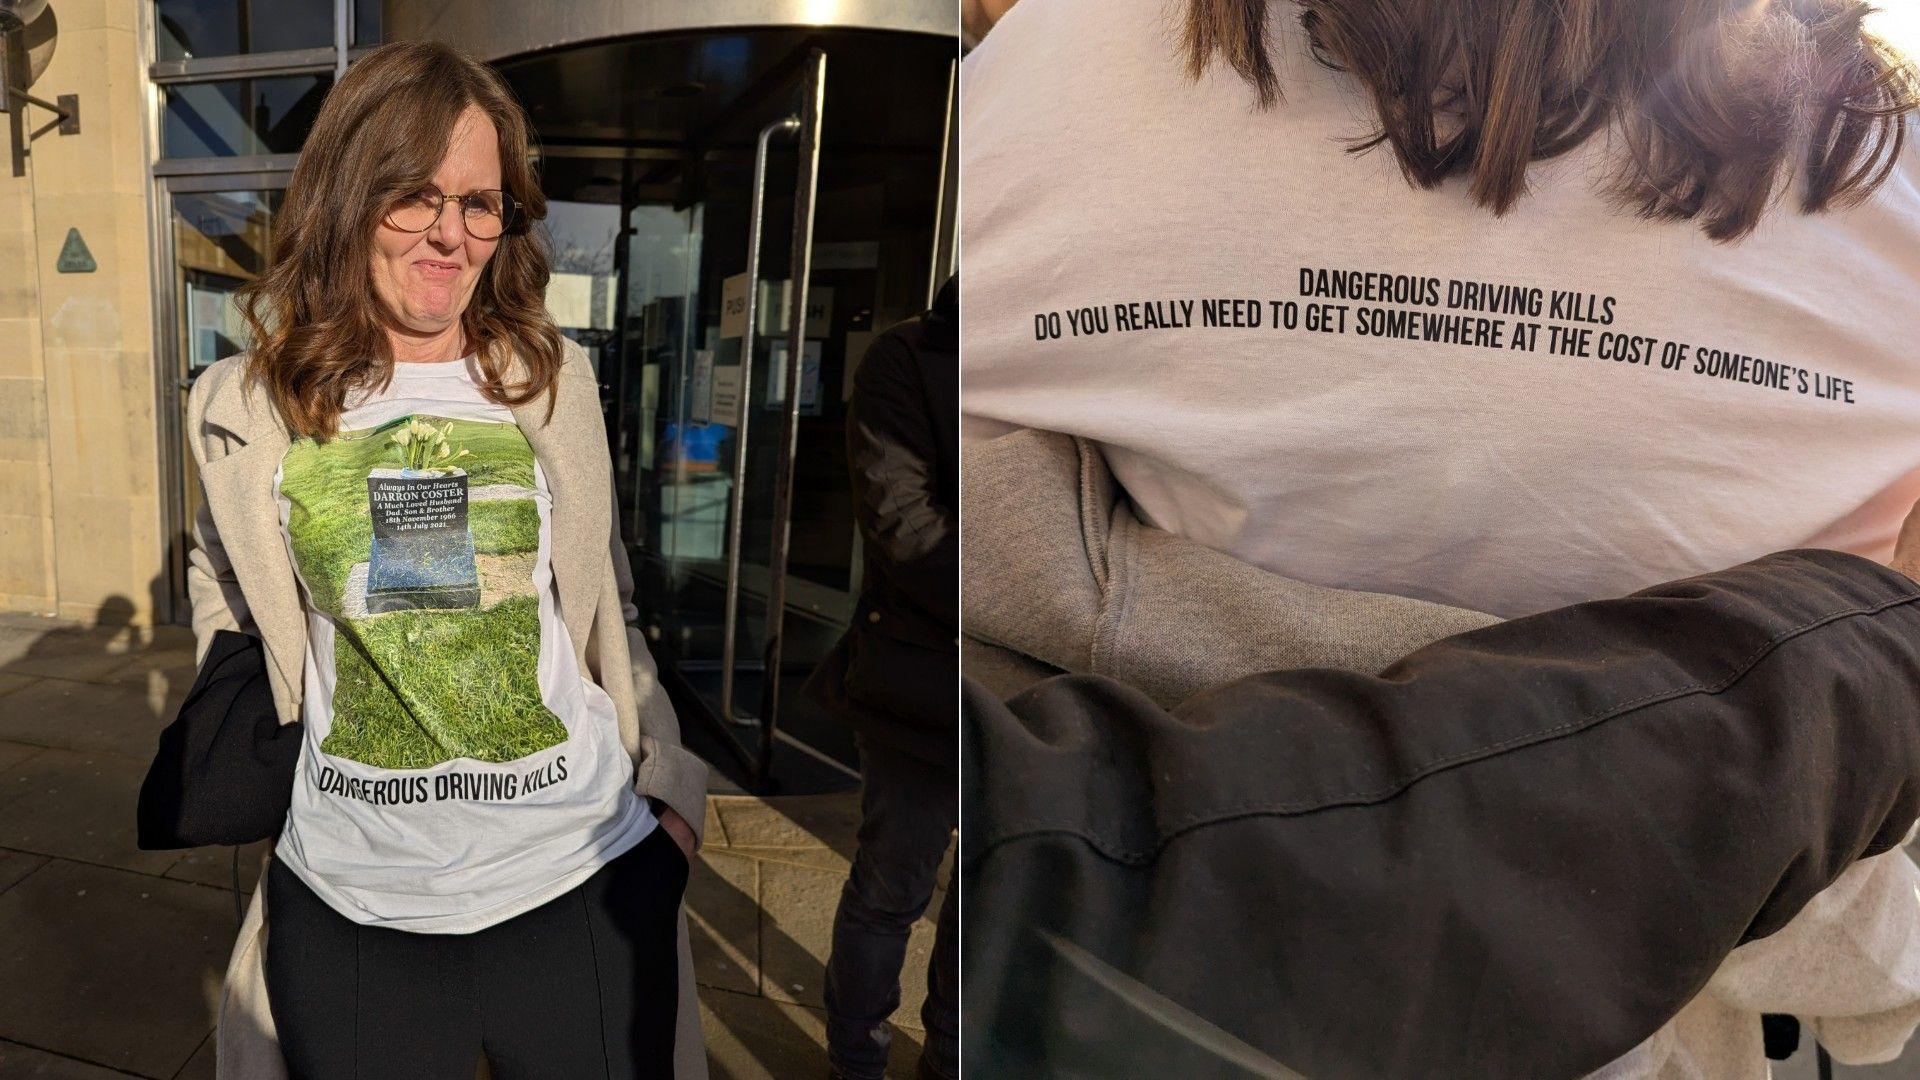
112,957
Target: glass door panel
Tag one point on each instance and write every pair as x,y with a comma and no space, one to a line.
220,240
703,415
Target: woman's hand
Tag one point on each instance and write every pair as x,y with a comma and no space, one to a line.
676,827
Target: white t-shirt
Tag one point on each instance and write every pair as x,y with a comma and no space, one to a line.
1291,355
457,767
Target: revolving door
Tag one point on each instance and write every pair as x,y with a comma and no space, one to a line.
735,213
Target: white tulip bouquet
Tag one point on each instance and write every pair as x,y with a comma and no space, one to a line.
424,448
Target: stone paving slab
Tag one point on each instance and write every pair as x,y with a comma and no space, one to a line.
792,821
820,858
102,718
797,906
112,967
715,831
723,920
214,866
752,1038
72,652
25,1063
796,931
200,1065
13,753
20,631
173,666
78,806
14,867
77,665
40,635
11,681
801,846
837,861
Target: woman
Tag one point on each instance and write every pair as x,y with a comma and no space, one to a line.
408,499
1552,339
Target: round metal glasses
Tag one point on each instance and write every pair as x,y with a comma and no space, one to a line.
485,214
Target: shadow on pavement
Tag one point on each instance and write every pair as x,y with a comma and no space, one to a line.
117,954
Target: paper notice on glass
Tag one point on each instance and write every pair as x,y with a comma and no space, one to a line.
776,307
733,307
649,407
207,309
570,300
604,296
700,388
726,395
809,377
819,310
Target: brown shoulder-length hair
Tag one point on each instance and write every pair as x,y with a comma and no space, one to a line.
1718,105
380,136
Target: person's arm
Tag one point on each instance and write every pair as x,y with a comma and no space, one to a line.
1516,853
213,591
893,451
1059,570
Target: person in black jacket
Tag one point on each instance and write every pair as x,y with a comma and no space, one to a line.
895,677
1513,855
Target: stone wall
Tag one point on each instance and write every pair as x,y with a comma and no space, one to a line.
81,499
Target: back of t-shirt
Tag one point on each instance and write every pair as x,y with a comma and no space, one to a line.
1293,356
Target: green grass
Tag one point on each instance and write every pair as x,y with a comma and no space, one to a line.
504,526
464,682
469,688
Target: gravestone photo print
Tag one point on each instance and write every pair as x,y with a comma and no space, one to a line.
418,539
422,553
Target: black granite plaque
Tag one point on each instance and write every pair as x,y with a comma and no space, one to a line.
422,545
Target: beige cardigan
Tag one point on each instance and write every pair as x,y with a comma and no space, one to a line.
240,578
1061,576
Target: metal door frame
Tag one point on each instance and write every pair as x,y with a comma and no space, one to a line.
171,382
759,760
812,119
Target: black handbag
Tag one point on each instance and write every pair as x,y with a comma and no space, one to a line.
224,771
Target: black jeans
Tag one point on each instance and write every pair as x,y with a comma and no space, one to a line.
908,808
585,985
1515,854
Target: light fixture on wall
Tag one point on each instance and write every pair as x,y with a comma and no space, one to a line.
27,30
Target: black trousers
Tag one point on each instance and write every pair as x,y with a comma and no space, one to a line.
1513,856
908,809
585,985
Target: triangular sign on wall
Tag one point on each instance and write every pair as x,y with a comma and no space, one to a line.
74,256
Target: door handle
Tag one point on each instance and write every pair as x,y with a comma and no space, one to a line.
731,621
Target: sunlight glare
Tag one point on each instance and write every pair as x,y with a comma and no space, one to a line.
1897,22
825,11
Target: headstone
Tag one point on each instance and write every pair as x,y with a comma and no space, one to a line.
74,256
422,543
